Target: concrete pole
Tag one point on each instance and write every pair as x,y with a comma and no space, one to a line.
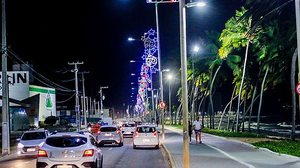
101,99
184,99
84,103
161,89
297,9
5,93
77,111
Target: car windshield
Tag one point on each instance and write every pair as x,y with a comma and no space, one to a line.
64,142
128,125
33,136
146,129
108,129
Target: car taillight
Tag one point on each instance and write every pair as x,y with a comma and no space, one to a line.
99,132
88,153
136,134
155,133
42,153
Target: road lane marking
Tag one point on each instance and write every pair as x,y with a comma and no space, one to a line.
110,149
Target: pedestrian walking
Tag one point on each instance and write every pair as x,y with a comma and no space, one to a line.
190,130
197,128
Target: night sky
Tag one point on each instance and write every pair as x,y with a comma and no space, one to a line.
50,33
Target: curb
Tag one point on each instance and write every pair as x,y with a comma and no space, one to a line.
170,158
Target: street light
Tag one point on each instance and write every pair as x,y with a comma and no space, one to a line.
184,99
170,78
195,51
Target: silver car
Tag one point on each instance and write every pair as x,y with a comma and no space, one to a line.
70,150
110,134
30,142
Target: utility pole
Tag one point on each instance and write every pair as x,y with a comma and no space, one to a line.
5,94
77,111
184,99
83,92
101,98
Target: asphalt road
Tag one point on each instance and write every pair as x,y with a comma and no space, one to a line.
114,157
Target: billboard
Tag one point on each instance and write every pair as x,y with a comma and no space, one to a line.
47,105
18,82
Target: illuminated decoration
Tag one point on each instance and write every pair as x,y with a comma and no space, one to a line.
150,57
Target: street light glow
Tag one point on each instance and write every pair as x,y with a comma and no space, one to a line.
170,77
131,61
165,70
195,4
201,4
196,49
130,39
132,74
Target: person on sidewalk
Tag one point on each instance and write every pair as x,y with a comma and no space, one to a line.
197,128
190,130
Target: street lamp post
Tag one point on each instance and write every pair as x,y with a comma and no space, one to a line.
101,98
170,77
195,51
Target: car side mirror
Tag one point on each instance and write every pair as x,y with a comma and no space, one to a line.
18,140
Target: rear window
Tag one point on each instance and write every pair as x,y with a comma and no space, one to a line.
108,129
146,129
64,142
33,136
128,125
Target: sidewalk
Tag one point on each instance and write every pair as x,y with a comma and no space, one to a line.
217,152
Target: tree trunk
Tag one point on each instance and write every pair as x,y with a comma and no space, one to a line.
293,71
242,82
251,108
244,111
223,113
260,101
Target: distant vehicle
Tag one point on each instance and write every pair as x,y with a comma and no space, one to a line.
145,136
106,121
69,150
128,129
30,142
110,134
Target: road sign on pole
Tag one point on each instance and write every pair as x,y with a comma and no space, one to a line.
162,105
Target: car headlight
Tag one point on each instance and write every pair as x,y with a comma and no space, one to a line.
20,145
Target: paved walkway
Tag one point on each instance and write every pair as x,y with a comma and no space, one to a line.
219,152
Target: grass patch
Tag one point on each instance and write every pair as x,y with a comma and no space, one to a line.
284,146
232,134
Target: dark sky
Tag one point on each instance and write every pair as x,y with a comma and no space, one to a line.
51,33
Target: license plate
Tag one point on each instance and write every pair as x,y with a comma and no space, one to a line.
30,149
128,132
107,134
64,166
146,140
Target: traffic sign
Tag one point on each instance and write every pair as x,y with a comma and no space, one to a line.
162,105
298,88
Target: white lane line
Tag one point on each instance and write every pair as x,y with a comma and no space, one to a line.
232,157
110,149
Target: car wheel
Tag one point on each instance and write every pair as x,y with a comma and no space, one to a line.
101,163
95,165
100,144
121,144
134,146
156,146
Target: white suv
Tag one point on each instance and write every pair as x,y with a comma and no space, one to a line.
145,136
128,129
30,141
69,150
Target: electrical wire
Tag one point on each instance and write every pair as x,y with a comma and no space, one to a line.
59,102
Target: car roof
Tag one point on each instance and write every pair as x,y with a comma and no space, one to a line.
104,126
60,134
36,130
146,125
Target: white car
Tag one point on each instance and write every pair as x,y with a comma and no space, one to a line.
110,134
128,129
69,150
30,141
145,136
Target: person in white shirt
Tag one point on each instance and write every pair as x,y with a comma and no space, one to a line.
197,128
